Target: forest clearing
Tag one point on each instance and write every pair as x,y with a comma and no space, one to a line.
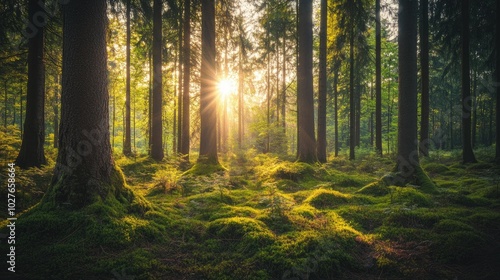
281,139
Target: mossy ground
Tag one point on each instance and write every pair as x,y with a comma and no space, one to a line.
262,217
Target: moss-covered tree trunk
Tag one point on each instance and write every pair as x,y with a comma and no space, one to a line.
85,171
32,151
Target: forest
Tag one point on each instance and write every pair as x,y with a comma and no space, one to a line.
263,139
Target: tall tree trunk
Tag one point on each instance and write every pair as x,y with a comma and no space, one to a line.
127,147
352,100
150,103
407,160
157,129
474,110
21,110
358,92
424,65
208,88
185,137
85,171
56,113
322,84
305,102
283,87
5,103
468,153
180,94
32,150
378,81
241,80
497,80
336,109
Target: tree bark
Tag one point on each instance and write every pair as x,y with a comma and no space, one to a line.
208,88
424,65
497,80
468,153
85,172
32,150
127,146
305,101
185,136
321,152
336,109
352,100
407,159
378,81
157,130
56,113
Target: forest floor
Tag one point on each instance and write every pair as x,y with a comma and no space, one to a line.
269,218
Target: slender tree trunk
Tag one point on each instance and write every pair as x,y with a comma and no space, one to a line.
336,109
85,172
407,160
497,80
157,129
474,110
424,65
358,91
180,94
56,113
150,103
468,153
322,84
378,81
283,86
5,103
21,110
32,150
305,101
208,88
127,147
185,136
352,100
241,81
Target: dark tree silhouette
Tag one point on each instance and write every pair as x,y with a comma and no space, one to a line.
185,137
407,160
32,151
208,89
497,80
468,153
424,66
322,85
378,80
156,129
127,145
305,103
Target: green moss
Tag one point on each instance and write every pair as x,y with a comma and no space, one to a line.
205,168
461,246
435,167
376,189
292,171
446,226
411,196
327,198
243,234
